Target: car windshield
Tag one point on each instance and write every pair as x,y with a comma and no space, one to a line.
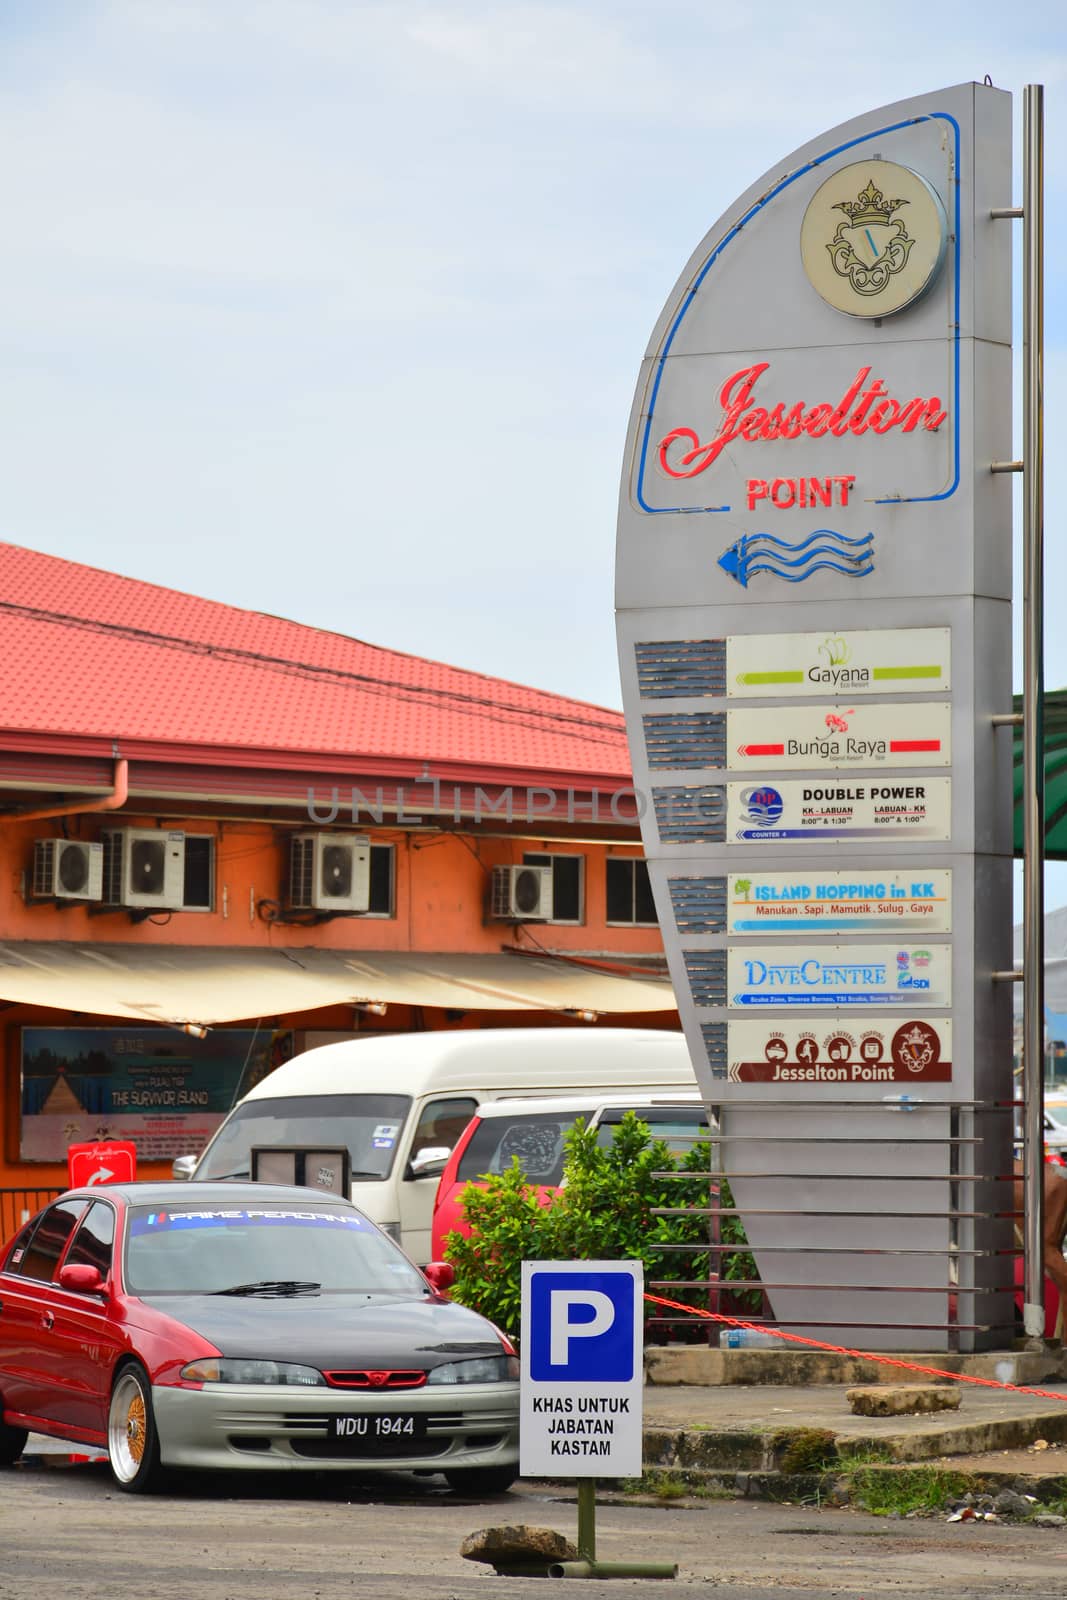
535,1137
272,1249
369,1124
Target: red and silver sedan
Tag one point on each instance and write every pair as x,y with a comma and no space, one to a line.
252,1326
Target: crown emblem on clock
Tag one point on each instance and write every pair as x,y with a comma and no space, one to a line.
869,206
872,245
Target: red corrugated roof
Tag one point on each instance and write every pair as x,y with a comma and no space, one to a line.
92,654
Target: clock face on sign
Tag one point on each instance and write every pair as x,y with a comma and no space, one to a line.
873,238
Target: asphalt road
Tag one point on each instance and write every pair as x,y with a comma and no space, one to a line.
65,1534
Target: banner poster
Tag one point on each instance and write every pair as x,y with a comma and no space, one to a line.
784,666
836,976
774,739
158,1087
874,1050
856,809
828,902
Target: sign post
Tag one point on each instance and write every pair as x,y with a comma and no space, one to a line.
813,591
581,1389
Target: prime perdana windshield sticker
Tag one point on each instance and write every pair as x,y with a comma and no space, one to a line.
913,1049
836,809
836,976
872,661
773,739
831,902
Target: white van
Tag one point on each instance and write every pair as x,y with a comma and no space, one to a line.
397,1104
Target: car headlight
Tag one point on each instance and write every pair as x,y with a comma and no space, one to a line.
221,1369
484,1369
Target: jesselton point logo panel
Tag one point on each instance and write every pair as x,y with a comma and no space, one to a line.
872,661
841,735
839,975
852,809
878,1050
785,903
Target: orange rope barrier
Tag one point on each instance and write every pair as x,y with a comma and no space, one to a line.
860,1355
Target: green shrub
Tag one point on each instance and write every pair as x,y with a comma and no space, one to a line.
604,1212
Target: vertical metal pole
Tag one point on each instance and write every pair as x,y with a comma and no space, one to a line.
1033,708
587,1520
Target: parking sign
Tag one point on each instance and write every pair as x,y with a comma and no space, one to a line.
582,1378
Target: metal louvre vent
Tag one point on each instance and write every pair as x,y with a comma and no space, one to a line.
699,904
112,895
672,669
44,852
691,815
714,1034
302,871
706,970
684,740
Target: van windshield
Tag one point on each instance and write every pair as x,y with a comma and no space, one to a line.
369,1124
535,1137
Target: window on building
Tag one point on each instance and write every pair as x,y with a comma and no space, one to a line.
629,893
382,881
568,883
198,893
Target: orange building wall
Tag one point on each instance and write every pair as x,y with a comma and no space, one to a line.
440,890
441,885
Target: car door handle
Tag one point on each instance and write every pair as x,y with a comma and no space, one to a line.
47,1319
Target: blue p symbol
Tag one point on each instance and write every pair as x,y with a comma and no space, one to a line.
582,1326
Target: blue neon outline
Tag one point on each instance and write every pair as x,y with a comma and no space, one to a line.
909,122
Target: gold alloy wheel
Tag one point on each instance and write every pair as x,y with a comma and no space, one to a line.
128,1425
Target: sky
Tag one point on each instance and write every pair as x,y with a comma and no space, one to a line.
334,309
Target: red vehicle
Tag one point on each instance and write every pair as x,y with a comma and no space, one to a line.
245,1325
533,1131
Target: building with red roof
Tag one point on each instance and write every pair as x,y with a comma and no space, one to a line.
265,834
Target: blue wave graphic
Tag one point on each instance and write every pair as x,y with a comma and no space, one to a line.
763,552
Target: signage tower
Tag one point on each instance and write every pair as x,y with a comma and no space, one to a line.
814,623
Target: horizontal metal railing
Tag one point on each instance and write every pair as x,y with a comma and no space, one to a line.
748,1297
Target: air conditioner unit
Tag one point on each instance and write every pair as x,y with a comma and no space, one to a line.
67,869
521,894
144,867
329,872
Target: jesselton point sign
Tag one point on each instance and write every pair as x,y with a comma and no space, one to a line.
813,591
876,1050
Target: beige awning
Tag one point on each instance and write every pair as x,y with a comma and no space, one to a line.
200,984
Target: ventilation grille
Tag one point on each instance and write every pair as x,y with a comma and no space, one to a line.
302,871
694,815
699,904
671,669
686,740
715,1045
707,976
44,855
112,895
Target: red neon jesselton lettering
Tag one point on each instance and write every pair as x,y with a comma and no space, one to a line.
859,411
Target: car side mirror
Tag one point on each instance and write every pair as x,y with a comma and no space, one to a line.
440,1275
82,1278
183,1166
430,1162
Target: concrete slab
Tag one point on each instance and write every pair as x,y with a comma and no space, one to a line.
731,1427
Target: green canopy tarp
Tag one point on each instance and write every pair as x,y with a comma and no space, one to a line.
1055,776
